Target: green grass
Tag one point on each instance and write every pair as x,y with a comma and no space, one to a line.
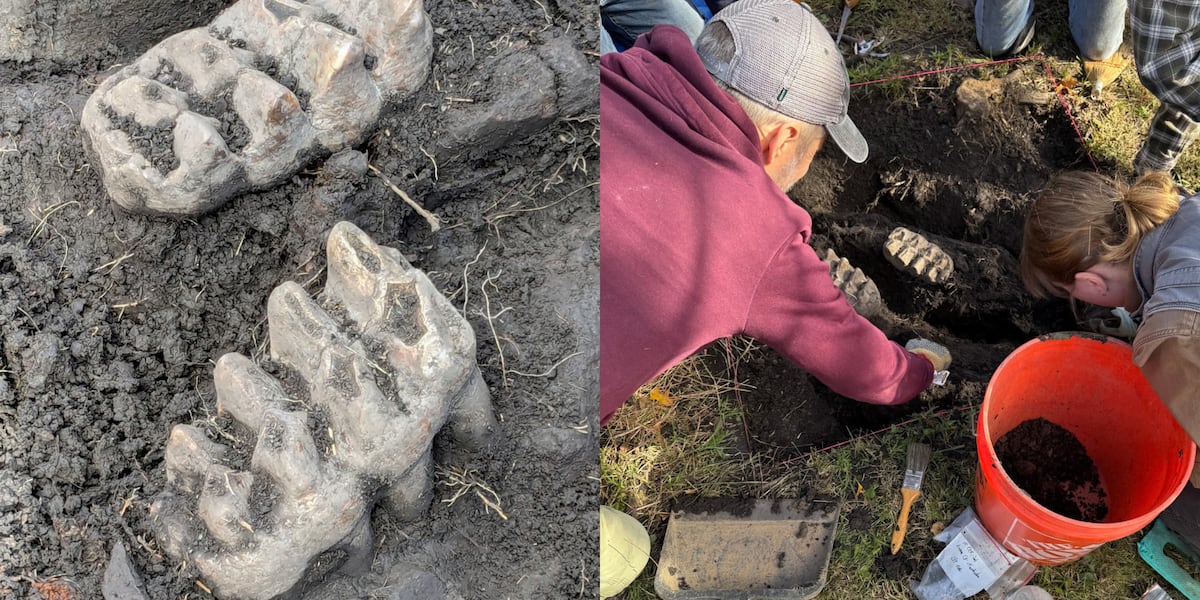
927,35
653,455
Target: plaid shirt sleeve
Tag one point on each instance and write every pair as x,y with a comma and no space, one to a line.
1166,47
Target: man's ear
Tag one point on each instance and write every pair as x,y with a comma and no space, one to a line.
1090,283
779,139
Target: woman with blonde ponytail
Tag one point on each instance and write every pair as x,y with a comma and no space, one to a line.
1137,247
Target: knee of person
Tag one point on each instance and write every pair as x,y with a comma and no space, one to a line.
1097,51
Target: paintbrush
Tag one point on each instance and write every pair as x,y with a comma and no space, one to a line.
914,472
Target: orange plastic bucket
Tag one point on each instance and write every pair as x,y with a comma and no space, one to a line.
1088,385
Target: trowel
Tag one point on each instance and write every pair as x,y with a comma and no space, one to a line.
736,549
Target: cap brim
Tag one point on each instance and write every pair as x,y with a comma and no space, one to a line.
849,139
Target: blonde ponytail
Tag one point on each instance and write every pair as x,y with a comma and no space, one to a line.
1083,218
1151,200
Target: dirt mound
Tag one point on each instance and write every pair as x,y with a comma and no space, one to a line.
955,159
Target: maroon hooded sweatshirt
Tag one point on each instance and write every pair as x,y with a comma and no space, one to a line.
697,243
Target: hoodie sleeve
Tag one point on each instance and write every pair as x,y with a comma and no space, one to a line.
798,311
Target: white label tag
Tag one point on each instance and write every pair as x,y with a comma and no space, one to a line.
973,560
940,377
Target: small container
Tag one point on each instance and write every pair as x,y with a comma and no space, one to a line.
1029,592
1156,593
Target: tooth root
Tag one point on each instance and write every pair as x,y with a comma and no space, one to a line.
245,391
287,453
300,330
472,417
224,505
409,495
188,456
172,527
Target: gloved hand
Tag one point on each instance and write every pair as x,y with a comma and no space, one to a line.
937,354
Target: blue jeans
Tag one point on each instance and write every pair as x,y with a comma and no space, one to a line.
1096,25
622,21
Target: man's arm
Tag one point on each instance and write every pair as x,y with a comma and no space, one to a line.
799,312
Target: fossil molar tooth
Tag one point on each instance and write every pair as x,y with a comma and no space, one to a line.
426,341
357,429
305,80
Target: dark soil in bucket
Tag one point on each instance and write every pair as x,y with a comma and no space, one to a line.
1050,465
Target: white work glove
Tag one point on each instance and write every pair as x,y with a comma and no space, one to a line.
937,354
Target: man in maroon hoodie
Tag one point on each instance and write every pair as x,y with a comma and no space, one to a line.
698,239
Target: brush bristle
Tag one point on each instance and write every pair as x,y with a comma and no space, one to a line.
918,457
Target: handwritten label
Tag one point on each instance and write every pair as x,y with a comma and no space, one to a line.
973,560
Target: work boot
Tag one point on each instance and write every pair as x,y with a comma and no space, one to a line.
912,253
1177,527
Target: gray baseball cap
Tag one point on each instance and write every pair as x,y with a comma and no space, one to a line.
787,61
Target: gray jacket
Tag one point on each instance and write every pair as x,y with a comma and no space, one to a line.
1167,262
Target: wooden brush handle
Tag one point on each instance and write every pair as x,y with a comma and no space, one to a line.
902,524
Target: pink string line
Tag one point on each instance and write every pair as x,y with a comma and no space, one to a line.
948,69
874,433
1070,117
1053,82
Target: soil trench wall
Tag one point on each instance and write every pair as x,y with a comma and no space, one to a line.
69,31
